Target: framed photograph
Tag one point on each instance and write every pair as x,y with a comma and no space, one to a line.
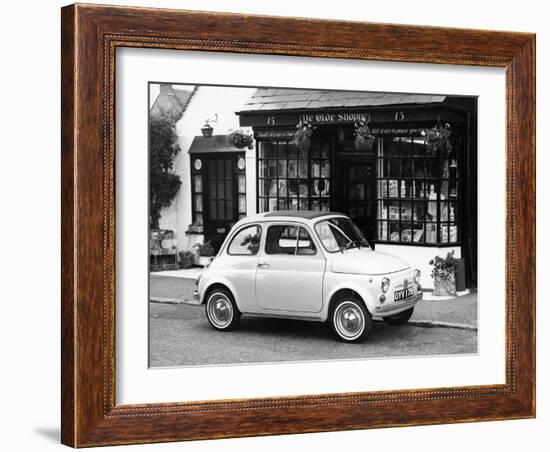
282,225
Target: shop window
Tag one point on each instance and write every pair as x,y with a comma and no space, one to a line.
418,192
293,179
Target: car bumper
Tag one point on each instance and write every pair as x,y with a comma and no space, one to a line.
384,310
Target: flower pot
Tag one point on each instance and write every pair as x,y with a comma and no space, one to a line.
444,286
207,130
203,261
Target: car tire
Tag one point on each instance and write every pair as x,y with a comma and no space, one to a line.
221,309
350,320
401,318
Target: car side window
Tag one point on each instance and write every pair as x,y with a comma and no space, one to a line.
246,242
289,240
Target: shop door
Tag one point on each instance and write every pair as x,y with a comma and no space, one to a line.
221,204
357,194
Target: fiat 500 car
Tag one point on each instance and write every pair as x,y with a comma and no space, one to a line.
306,265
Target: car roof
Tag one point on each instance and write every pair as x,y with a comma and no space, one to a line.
305,214
284,215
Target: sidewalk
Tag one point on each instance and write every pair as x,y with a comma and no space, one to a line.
457,312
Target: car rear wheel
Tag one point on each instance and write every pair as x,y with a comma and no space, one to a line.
221,310
350,320
401,318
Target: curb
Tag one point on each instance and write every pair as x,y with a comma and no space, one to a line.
172,301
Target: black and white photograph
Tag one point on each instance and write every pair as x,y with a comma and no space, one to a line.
303,224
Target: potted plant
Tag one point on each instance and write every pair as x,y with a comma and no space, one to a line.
195,228
241,139
302,136
205,253
186,259
443,274
438,137
364,138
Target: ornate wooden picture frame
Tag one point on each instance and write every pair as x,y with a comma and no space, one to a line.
90,37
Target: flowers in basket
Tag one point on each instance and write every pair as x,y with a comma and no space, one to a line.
302,136
241,139
438,137
364,138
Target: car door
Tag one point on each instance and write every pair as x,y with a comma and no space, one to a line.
290,270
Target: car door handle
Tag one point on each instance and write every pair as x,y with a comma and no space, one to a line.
263,264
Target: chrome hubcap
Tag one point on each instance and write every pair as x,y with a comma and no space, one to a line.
220,310
349,320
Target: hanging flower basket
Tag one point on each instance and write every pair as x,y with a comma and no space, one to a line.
241,139
364,138
438,137
302,136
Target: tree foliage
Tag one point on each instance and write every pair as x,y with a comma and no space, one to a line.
163,183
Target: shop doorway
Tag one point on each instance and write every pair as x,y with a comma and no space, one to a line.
356,193
221,209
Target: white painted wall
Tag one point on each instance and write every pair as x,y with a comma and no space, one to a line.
206,102
419,257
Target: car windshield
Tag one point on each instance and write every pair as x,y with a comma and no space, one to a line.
340,234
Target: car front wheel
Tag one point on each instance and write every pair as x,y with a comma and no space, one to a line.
401,318
350,320
221,310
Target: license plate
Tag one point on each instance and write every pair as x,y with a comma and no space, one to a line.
403,294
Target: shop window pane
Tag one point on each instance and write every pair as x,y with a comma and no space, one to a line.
229,188
406,168
293,168
394,232
303,204
382,210
272,184
431,168
315,169
293,203
406,211
406,232
302,168
304,188
272,204
394,168
444,211
302,154
453,233
315,204
418,168
221,189
198,203
321,187
444,234
199,219
263,205
325,169
268,150
418,235
324,150
431,232
382,230
282,187
229,214
242,203
197,182
282,204
211,170
393,210
241,183
419,211
271,168
293,187
453,211
213,211
282,168
291,151
325,206
315,151
213,192
453,189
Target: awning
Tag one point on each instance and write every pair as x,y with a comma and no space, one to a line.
215,143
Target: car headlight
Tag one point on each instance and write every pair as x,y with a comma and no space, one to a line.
385,285
416,276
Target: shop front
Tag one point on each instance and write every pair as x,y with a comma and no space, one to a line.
409,198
